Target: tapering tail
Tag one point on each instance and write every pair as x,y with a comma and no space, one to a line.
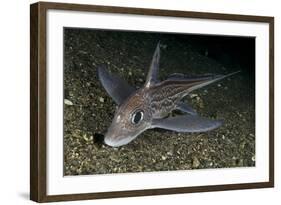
204,81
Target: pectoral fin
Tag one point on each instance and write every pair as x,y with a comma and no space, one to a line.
116,87
186,108
187,123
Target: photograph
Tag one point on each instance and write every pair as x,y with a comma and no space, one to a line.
139,101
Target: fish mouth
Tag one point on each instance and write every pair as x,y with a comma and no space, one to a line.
110,141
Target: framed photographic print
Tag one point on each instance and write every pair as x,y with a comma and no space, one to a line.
134,102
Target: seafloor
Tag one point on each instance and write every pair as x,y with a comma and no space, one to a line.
88,110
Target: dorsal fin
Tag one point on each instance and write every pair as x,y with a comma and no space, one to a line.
181,76
176,76
151,78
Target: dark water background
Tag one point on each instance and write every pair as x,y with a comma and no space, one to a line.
88,110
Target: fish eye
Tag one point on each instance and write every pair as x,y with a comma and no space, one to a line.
137,117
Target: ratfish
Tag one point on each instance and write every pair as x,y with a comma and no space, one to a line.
151,106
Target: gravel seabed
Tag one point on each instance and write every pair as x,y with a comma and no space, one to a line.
88,110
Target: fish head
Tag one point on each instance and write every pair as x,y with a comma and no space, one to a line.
131,118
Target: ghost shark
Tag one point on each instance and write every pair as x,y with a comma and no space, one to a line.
151,106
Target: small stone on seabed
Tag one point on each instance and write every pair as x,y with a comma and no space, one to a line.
193,95
85,137
67,102
130,73
195,162
164,158
101,99
253,158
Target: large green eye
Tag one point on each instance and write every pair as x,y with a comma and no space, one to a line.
137,117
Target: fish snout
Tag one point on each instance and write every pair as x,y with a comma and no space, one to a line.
115,142
108,141
113,138
116,138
